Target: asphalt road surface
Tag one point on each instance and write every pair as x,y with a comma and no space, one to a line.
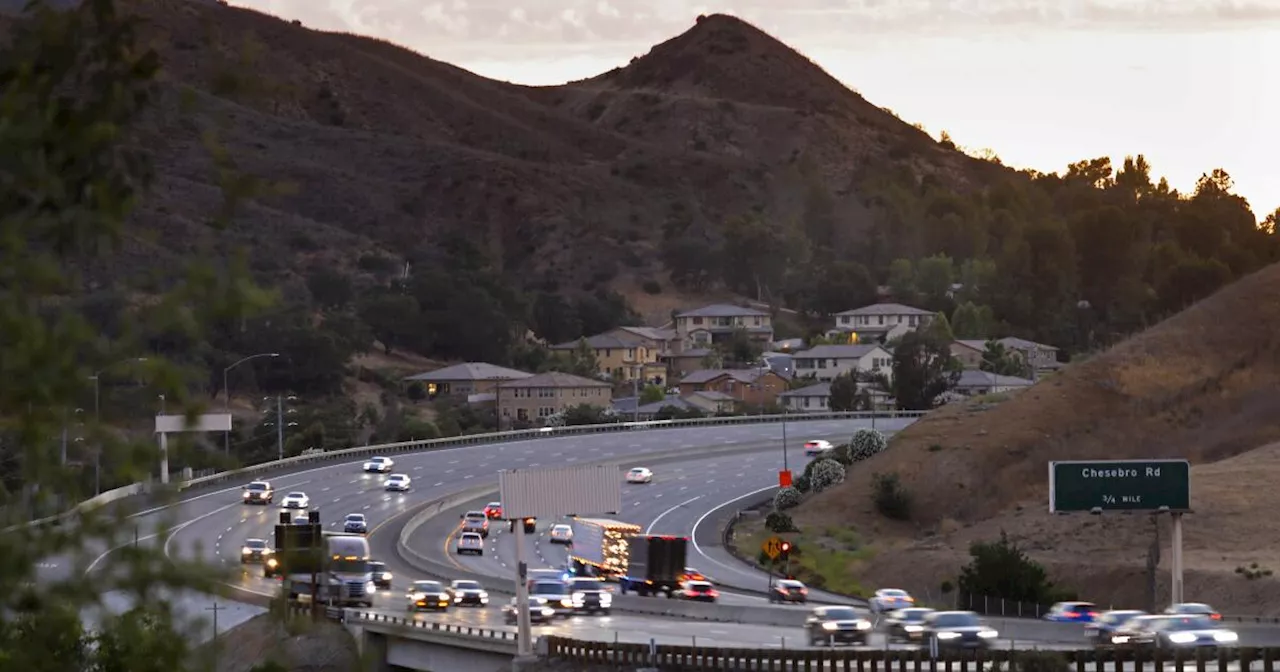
212,526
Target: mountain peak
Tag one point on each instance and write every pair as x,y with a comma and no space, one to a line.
723,56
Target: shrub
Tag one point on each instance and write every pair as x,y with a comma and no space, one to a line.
651,287
786,498
826,473
417,391
778,521
841,454
1001,569
891,499
866,442
1038,661
802,484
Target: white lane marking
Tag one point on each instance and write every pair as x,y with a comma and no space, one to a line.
438,484
649,529
453,461
417,468
693,534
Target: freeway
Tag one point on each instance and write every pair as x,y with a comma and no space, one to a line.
677,487
211,526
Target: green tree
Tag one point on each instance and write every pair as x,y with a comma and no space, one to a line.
1001,569
740,348
1003,361
581,361
652,394
840,286
330,288
584,414
971,321
554,319
922,371
844,393
933,279
902,281
394,320
692,261
75,85
939,329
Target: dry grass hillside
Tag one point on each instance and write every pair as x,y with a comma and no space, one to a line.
383,149
1200,385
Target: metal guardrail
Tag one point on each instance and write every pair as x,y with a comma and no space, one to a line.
470,439
669,657
358,616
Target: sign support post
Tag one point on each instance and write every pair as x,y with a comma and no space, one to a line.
171,424
1130,486
1175,588
524,631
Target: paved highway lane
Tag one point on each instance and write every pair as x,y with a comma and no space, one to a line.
212,525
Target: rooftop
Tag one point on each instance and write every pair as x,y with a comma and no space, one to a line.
740,375
886,309
470,371
655,333
723,310
819,390
603,342
838,351
972,378
554,379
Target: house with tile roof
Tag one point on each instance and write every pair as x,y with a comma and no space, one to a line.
1041,357
533,399
466,380
752,387
624,356
878,322
705,326
826,362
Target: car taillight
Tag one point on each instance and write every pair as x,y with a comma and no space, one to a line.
712,593
1216,617
804,591
1071,614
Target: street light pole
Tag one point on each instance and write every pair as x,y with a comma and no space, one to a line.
97,417
784,438
226,394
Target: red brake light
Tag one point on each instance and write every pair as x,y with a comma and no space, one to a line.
1072,614
1216,617
712,593
804,591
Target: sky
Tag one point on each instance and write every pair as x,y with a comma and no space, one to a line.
1042,83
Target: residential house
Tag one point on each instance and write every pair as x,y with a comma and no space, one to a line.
878,323
533,399
782,363
474,381
712,402
984,382
817,398
969,352
664,341
826,362
705,326
754,387
1041,357
681,364
625,356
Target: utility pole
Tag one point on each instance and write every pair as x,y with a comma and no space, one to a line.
635,392
280,423
215,609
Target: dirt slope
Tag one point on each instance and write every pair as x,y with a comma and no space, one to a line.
1200,386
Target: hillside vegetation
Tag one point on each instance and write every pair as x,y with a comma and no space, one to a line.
1200,385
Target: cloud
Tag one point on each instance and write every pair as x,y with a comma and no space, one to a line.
491,28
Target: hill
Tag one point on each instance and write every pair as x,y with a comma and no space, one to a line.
1199,386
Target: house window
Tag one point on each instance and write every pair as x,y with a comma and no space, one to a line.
546,411
697,320
522,414
881,319
757,321
546,392
804,363
806,402
844,319
631,354
822,363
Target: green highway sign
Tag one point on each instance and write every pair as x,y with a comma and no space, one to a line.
1119,485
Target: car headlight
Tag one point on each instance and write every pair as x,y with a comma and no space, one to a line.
1182,638
484,595
1225,636
566,602
987,634
864,625
369,587
948,635
913,628
245,551
830,626
548,611
605,598
415,596
272,563
246,495
1119,639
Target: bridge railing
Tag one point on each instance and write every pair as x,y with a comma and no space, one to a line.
663,656
357,616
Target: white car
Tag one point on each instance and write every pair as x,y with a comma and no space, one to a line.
639,475
296,500
396,483
561,534
470,542
378,465
891,599
817,447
